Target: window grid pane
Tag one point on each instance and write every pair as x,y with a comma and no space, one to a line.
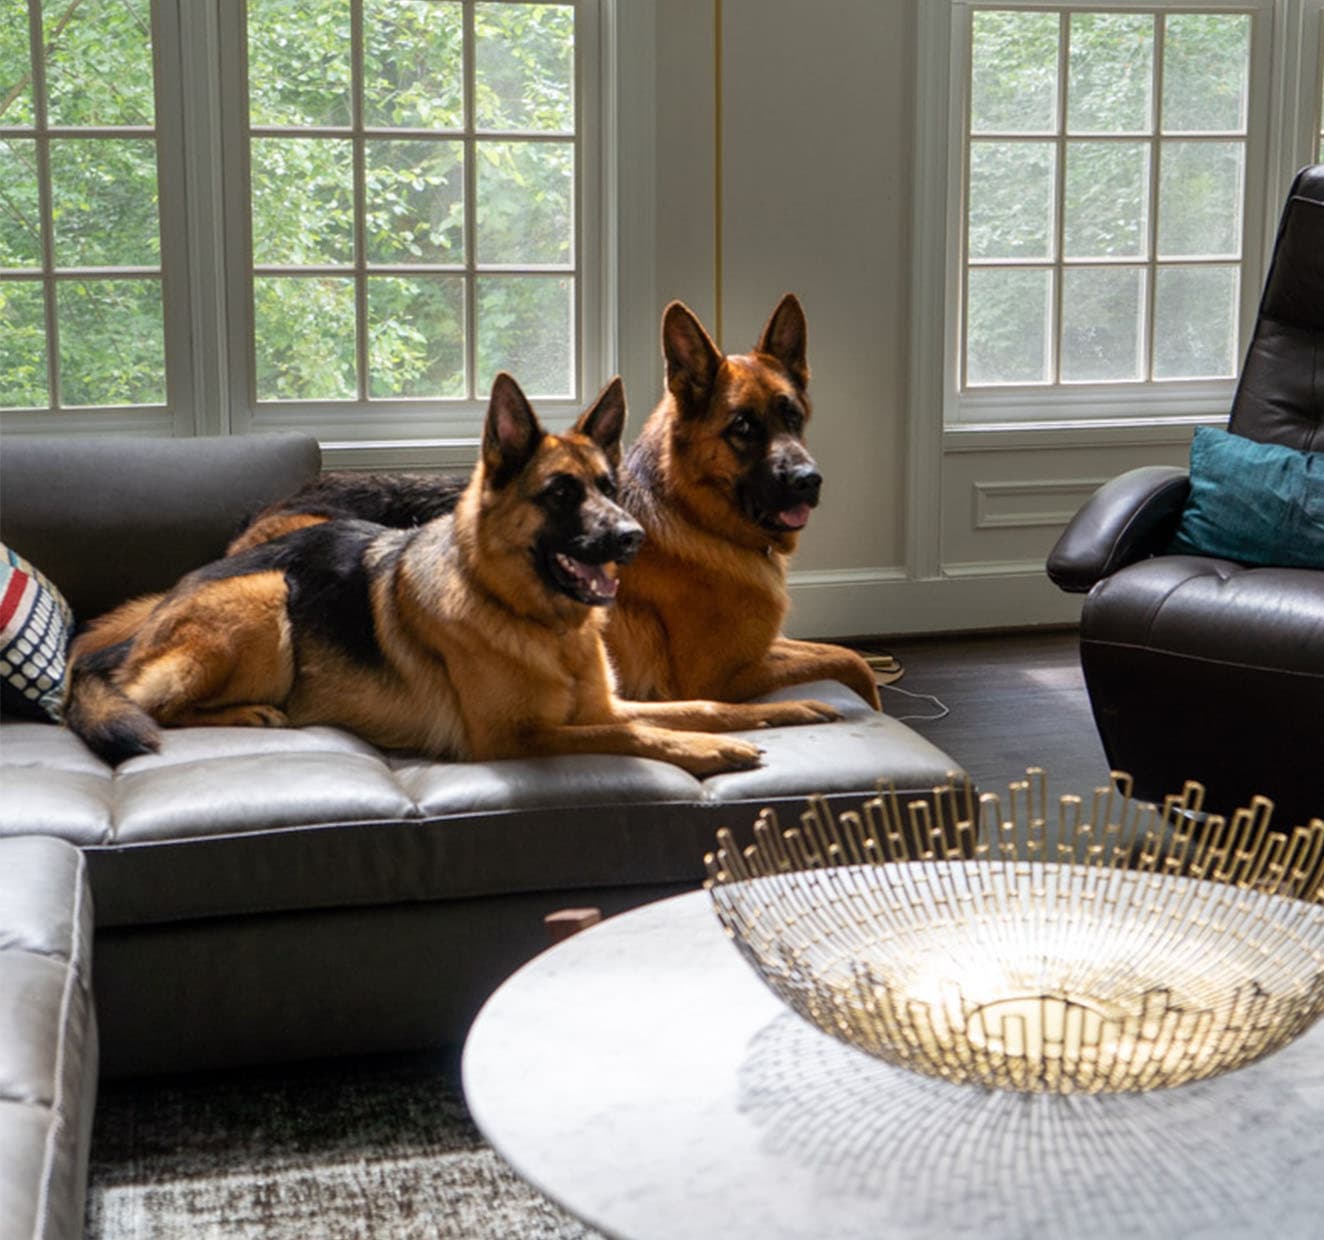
1150,170
81,311
453,218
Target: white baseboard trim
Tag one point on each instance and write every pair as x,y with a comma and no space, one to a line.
861,602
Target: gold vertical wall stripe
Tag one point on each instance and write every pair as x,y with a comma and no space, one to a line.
717,171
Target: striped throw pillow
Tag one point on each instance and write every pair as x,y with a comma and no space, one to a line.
35,625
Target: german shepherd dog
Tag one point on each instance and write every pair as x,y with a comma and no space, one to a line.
722,483
476,635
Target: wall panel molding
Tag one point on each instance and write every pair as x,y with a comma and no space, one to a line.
959,439
1029,503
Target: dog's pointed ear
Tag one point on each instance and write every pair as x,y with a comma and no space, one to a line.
692,358
511,433
604,420
785,338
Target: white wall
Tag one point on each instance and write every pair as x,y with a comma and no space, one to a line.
817,137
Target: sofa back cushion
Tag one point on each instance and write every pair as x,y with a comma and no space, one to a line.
109,518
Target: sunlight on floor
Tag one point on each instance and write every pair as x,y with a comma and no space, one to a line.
1055,677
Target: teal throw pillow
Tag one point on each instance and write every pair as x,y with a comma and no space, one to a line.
1257,503
35,624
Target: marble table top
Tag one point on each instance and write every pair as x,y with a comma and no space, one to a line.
641,1075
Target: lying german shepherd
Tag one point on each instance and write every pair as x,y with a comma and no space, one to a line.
475,635
722,483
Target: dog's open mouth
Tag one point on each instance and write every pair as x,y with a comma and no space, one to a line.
786,520
594,584
795,518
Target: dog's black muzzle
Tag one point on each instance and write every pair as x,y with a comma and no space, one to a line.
622,543
801,483
785,489
579,568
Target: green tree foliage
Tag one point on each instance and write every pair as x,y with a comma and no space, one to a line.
418,221
20,218
111,350
415,203
1105,188
103,207
300,75
22,345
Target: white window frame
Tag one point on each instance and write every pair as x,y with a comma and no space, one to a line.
353,427
1277,144
202,177
1317,130
174,416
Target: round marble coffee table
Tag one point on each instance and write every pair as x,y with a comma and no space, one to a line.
642,1076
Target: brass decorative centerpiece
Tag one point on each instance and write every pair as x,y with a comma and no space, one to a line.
1036,948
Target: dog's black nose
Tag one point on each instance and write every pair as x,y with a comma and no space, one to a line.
628,539
804,482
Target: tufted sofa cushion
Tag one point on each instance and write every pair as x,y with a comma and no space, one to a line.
228,821
48,1042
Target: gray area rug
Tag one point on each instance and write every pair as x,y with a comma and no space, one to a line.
371,1149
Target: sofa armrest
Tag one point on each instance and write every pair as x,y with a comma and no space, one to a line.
1127,519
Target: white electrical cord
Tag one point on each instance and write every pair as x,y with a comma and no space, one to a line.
943,711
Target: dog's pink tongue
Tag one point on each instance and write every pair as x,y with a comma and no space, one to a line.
596,578
602,585
795,518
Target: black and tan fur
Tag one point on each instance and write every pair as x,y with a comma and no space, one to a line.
718,466
722,482
398,500
475,635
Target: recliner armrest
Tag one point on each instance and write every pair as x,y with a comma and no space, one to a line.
1127,519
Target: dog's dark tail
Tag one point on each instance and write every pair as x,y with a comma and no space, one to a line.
109,723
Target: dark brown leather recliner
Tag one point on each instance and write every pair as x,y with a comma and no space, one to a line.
1202,668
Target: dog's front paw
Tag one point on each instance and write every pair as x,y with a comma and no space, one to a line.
789,714
711,755
258,716
859,676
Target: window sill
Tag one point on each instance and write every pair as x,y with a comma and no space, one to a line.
1074,433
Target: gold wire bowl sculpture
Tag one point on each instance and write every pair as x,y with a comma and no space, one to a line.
1139,947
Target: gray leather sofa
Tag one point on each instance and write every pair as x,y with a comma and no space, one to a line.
48,1039
276,894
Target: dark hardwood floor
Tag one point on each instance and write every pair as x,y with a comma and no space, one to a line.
1013,700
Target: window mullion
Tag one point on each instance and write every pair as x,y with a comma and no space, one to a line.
360,197
238,355
1151,224
967,162
470,207
1059,195
184,130
37,49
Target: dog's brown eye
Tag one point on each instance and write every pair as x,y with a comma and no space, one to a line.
791,415
742,425
607,485
563,490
